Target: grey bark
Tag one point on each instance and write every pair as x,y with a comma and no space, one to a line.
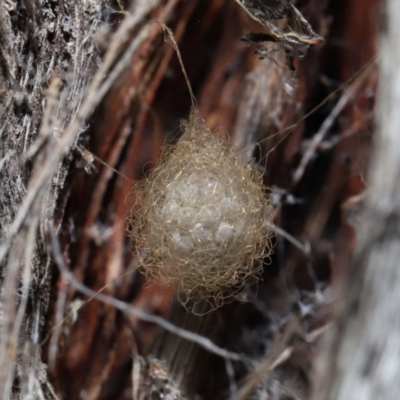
364,360
47,57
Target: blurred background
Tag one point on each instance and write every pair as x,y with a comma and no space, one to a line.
79,179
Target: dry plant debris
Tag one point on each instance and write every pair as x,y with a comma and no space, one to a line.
203,222
286,29
50,52
154,381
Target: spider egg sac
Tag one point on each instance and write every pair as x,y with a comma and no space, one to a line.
202,223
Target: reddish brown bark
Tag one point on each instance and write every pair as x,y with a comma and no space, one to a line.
251,100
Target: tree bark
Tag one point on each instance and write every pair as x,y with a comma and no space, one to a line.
89,92
364,362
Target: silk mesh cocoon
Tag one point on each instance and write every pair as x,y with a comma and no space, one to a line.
202,222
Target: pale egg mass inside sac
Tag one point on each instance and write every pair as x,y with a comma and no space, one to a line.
203,220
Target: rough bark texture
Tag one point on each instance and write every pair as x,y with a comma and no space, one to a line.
90,90
47,51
